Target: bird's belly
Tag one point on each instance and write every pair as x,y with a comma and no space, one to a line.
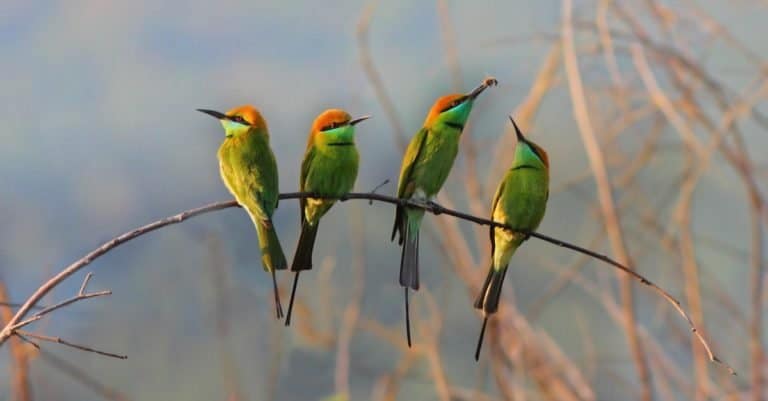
521,206
332,176
329,176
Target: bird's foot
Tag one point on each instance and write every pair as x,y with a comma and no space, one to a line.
418,202
434,207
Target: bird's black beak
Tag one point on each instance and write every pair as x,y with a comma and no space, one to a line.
213,113
358,120
487,83
520,137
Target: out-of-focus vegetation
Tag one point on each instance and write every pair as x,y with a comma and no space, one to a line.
653,114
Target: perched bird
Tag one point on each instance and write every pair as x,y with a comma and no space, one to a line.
248,169
330,169
426,164
520,202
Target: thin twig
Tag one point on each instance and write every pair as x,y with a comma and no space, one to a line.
58,340
90,257
430,207
81,295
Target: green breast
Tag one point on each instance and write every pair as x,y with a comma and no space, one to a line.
524,200
435,160
333,171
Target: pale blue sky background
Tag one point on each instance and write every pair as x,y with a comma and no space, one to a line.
100,134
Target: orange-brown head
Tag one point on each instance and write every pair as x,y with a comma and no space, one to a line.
239,119
330,119
333,126
443,104
453,110
250,114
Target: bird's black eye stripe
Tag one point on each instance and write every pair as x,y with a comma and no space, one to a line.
536,152
334,125
239,119
454,103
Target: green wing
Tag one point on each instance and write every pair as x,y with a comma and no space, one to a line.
262,178
309,156
251,177
409,161
496,197
404,190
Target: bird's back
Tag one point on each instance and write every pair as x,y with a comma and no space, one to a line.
436,156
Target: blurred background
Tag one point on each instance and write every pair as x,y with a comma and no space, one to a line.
658,105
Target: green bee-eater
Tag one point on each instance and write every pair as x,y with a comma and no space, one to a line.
248,169
426,165
520,202
330,169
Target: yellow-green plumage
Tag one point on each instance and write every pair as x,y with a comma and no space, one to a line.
329,168
426,165
249,170
520,202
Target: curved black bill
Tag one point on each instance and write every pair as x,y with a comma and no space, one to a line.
518,133
213,113
358,120
487,83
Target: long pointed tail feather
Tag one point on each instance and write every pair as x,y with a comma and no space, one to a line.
293,296
480,339
488,300
409,263
278,306
272,257
271,252
302,260
409,258
407,318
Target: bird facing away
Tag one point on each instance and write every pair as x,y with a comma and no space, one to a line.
426,164
329,169
248,169
520,202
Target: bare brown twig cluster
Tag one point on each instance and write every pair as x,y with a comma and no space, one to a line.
626,67
642,93
14,325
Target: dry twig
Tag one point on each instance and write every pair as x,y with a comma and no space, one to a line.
25,335
428,207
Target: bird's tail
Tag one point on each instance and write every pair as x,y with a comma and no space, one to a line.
488,300
302,260
271,256
409,259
